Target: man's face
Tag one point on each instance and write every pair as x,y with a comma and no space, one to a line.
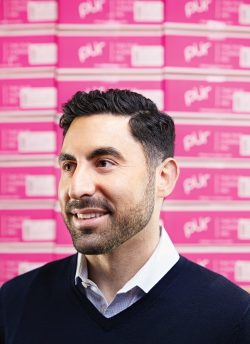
106,193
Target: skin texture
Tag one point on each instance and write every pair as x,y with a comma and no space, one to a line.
105,177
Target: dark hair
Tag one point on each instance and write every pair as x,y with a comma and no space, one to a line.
153,129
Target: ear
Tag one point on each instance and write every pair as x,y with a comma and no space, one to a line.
168,173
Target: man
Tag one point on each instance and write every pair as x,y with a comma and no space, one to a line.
127,284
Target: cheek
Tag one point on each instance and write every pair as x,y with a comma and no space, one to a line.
62,190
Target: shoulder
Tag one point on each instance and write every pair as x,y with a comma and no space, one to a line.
47,274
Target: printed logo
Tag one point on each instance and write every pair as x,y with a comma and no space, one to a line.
195,182
197,94
196,226
195,139
196,50
90,6
196,6
90,50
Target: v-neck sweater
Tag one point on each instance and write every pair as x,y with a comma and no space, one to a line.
189,305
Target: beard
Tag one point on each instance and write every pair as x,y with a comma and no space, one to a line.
120,225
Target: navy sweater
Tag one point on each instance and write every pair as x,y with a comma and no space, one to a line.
189,305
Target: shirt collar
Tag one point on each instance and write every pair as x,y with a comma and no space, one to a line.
161,261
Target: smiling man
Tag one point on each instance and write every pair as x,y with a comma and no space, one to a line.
127,283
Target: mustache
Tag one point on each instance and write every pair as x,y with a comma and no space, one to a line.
89,202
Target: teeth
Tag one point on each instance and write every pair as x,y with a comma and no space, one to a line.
88,216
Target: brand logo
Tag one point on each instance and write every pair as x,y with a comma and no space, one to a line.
196,6
90,50
90,6
196,94
196,226
195,182
195,139
196,50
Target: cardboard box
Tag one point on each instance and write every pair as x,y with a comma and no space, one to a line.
234,266
19,137
27,225
209,12
28,11
219,183
13,264
28,182
151,86
111,12
212,139
107,49
27,93
207,96
27,50
199,52
204,226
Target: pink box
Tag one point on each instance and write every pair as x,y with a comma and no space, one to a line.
207,183
27,225
207,227
33,182
114,49
207,95
234,266
28,11
233,12
212,139
62,235
29,50
31,92
111,11
27,137
13,264
150,86
207,53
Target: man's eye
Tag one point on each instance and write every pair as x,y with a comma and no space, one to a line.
105,163
68,167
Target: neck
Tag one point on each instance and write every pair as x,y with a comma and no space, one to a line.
112,271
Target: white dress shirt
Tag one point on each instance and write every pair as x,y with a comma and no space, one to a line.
161,261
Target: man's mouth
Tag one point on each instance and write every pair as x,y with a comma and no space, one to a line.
89,216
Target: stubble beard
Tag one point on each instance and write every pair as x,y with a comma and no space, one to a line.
121,227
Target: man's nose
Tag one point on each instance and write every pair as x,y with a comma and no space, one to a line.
82,184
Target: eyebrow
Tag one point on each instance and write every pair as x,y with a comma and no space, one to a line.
94,154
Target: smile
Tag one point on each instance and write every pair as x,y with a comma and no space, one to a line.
89,216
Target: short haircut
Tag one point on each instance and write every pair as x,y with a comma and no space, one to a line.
152,128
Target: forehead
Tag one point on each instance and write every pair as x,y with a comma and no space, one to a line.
95,131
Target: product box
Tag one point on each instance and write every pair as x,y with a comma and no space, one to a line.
151,86
207,96
35,181
234,266
212,139
28,12
208,12
13,264
213,183
27,50
63,236
27,225
114,49
211,52
111,12
27,93
29,136
203,226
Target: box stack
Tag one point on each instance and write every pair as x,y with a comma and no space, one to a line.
207,91
28,101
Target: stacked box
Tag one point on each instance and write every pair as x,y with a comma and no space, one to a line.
214,14
212,139
25,136
94,12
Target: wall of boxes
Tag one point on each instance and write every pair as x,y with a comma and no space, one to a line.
191,58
